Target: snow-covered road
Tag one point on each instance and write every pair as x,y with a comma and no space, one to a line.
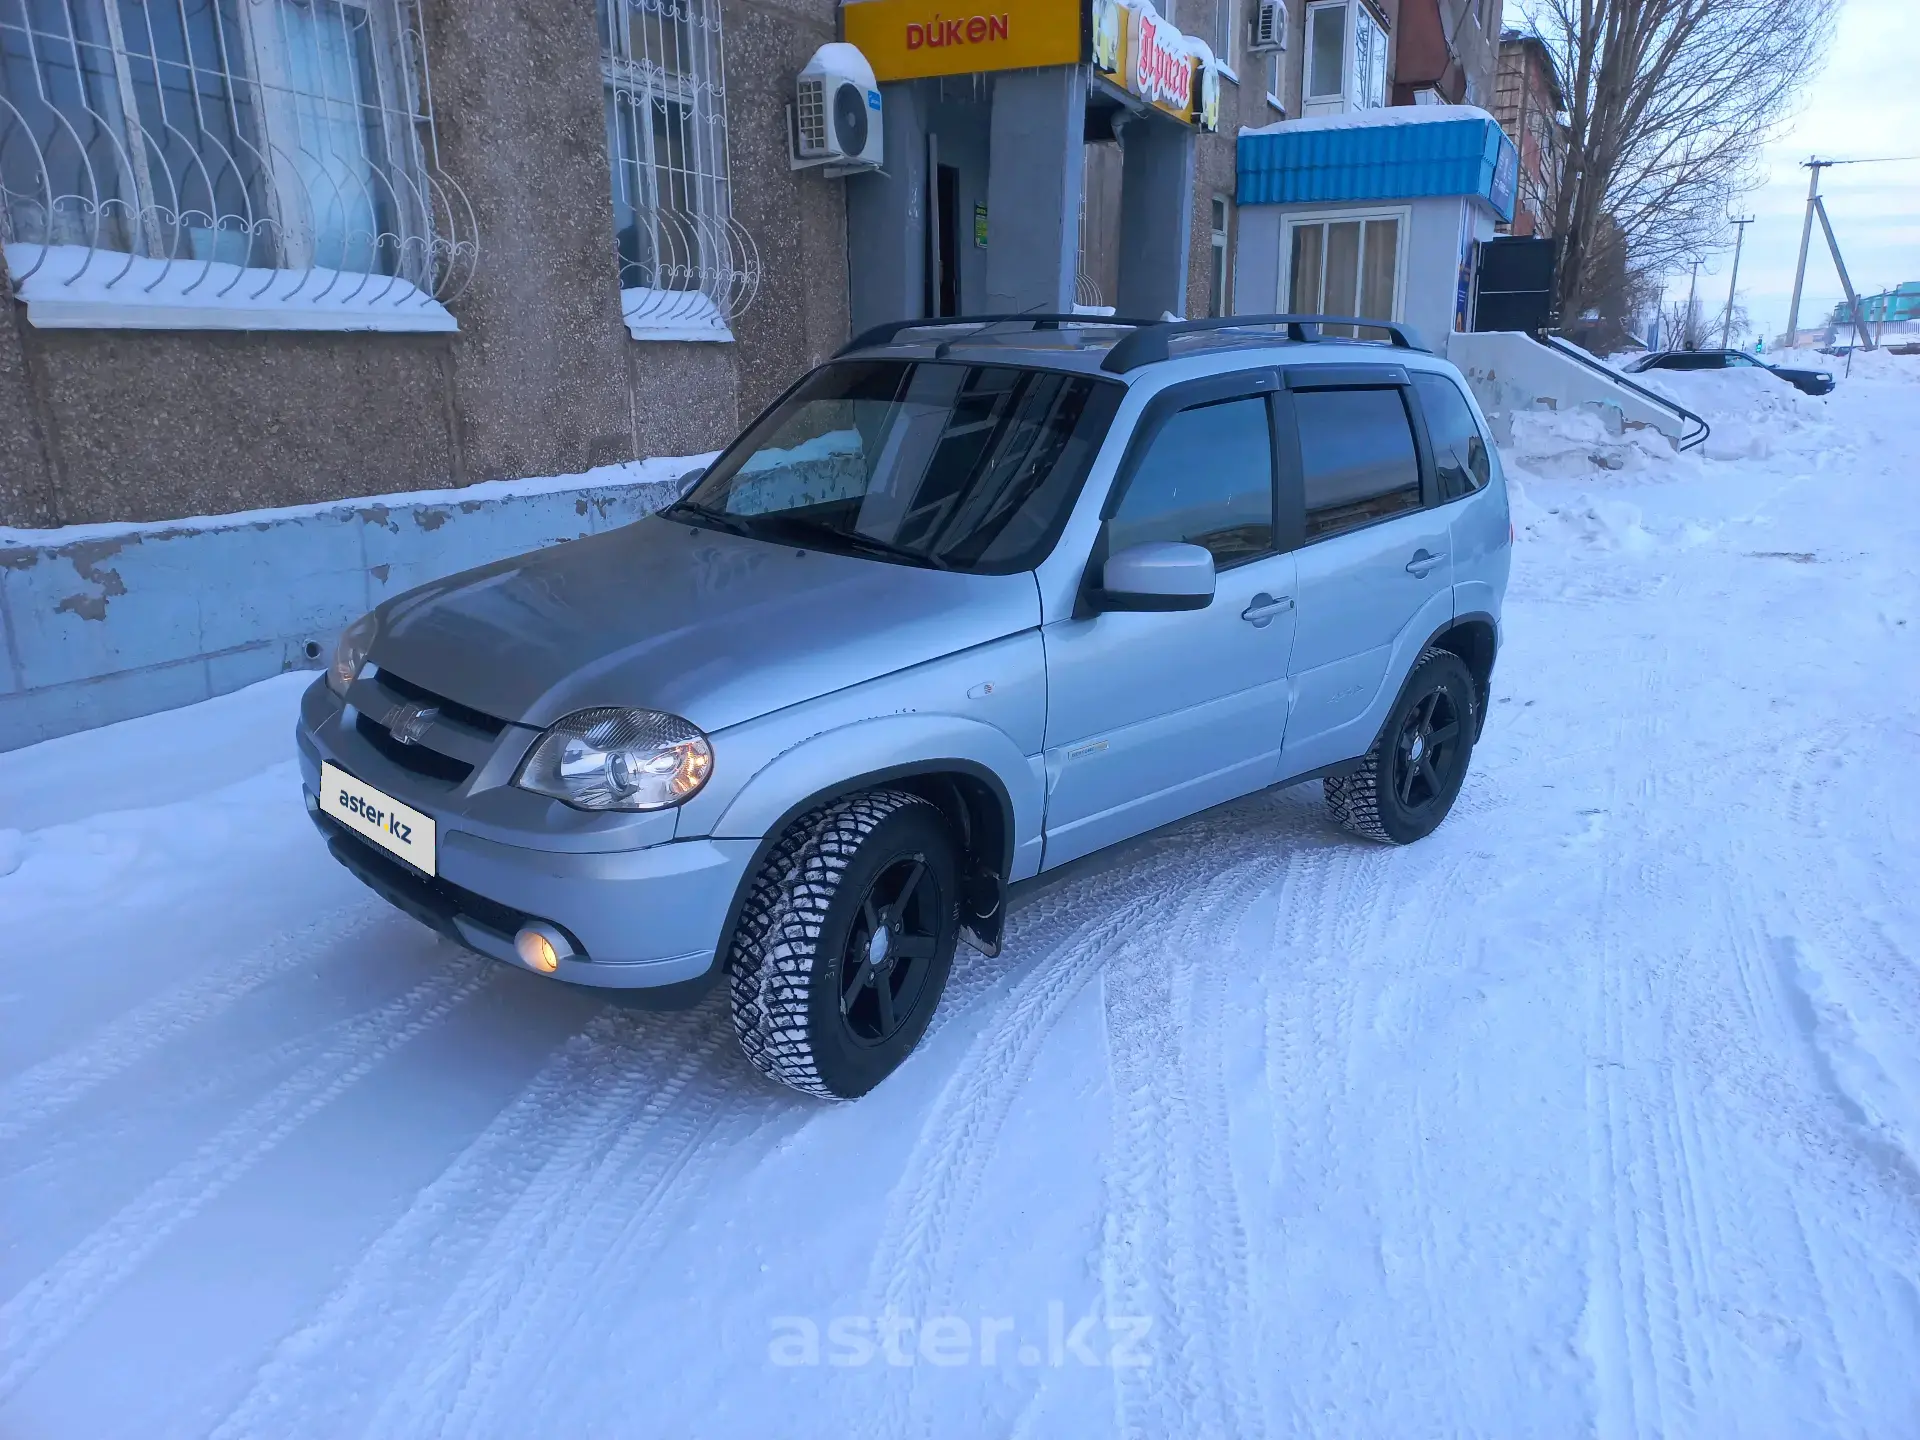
1599,1111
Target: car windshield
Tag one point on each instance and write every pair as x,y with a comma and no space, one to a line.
969,467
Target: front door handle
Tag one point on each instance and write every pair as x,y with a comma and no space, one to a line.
1422,562
1264,607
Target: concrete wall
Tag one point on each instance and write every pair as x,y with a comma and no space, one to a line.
542,377
101,623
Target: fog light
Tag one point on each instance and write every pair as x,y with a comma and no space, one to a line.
542,948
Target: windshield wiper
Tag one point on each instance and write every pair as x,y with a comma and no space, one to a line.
732,524
855,540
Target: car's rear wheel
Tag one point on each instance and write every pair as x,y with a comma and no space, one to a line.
1408,781
844,944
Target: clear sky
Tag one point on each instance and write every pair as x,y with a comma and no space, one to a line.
1865,101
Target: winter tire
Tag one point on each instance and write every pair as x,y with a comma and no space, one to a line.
1408,781
845,941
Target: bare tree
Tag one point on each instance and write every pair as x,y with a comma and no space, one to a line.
1683,325
1669,103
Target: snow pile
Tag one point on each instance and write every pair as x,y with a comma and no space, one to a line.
1369,119
1754,414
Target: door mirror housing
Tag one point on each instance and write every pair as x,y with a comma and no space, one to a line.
1162,575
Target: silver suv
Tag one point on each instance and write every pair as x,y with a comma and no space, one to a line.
974,599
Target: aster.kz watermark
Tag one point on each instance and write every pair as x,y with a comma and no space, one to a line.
1093,1340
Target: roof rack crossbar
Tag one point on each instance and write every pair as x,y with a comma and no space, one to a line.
1148,343
884,334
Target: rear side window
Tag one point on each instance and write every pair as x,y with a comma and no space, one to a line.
1206,479
1459,450
1357,459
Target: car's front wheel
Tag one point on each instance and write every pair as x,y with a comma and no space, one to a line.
1407,782
843,946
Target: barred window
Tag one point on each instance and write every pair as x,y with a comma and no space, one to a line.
225,164
687,268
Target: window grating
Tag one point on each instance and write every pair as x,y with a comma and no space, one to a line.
220,153
687,267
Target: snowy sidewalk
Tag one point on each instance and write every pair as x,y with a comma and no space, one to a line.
1599,1111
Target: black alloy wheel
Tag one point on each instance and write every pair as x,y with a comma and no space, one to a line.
890,951
844,944
1428,751
1403,787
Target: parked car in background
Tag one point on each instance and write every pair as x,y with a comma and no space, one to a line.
971,601
1811,382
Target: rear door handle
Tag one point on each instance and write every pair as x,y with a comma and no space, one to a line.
1422,562
1264,607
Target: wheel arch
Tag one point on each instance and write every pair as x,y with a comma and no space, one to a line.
972,798
1475,638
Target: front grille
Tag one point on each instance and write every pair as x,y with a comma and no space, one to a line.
415,759
445,746
486,724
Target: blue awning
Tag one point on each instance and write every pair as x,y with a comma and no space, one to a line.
1283,165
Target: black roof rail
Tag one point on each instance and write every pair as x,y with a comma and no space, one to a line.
884,334
1149,343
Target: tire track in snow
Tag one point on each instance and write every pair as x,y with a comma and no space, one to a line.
1175,1245
595,1195
453,1236
917,1254
50,1307
42,1091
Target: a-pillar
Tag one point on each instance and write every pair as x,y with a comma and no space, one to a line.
1156,208
1037,153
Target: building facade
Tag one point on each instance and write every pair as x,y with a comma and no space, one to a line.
1528,102
263,253
266,252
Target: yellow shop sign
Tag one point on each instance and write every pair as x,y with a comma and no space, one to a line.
1146,56
916,39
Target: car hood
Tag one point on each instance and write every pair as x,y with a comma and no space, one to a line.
660,615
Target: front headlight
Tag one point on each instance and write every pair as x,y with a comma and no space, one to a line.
350,655
618,760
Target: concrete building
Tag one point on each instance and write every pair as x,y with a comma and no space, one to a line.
284,251
1528,102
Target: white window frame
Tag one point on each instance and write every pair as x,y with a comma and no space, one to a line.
1297,218
1221,41
1356,91
692,268
1220,252
211,206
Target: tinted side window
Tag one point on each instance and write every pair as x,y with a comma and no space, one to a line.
1459,452
1206,479
1357,459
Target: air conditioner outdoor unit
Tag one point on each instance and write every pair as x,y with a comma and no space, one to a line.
1270,25
837,113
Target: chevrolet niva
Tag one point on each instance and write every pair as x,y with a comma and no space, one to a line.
972,600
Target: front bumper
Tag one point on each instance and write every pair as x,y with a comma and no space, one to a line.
640,918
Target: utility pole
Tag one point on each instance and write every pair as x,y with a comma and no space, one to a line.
1740,224
1814,204
1689,340
1806,238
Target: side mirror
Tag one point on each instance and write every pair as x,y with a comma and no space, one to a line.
1161,575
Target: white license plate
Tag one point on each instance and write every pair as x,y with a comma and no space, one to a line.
384,820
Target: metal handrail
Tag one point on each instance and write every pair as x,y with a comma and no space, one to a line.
1573,352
